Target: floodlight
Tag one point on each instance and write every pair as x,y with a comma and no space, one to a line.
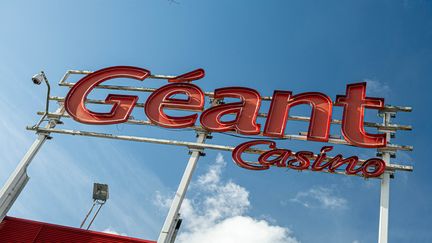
100,192
100,196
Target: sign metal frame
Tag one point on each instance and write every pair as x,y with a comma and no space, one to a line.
19,177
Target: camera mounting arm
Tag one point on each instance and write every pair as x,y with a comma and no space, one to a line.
37,79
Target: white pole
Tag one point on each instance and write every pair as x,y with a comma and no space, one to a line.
385,191
18,179
168,228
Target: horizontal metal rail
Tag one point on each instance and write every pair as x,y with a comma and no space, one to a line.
300,137
190,145
85,72
387,108
389,127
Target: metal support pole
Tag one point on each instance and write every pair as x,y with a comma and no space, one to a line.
88,214
385,190
168,228
18,179
94,217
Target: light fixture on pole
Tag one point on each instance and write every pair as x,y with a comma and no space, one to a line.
100,196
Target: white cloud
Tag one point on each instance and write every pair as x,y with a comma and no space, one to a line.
239,229
320,197
217,213
376,87
113,232
213,174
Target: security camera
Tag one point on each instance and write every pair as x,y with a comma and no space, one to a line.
37,78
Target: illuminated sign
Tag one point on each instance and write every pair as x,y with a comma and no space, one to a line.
301,160
224,116
245,111
354,103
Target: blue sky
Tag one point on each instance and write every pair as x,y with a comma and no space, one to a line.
267,45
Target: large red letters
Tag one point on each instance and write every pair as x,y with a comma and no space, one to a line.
354,103
122,104
163,98
319,125
244,112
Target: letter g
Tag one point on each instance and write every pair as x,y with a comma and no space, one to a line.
122,104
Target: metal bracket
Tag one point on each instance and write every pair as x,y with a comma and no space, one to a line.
382,113
391,153
178,221
46,102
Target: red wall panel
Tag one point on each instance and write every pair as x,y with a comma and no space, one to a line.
26,231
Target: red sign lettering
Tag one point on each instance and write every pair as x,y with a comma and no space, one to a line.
301,160
354,103
245,111
162,98
122,104
319,125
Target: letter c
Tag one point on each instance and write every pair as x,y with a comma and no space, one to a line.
237,152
